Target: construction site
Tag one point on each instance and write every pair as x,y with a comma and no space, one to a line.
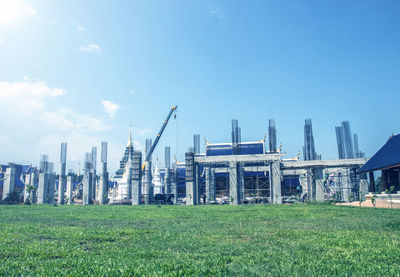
234,172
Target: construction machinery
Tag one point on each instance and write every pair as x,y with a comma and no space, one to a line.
153,146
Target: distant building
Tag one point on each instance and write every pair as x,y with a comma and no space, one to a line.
347,143
386,160
128,153
309,147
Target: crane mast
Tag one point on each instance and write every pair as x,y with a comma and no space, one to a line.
173,109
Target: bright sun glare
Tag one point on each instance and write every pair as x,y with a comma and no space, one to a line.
12,10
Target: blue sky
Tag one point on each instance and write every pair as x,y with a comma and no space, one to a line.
80,71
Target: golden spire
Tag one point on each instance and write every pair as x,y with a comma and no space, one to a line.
129,143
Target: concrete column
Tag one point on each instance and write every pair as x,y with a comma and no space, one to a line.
27,182
129,179
197,183
9,182
167,179
318,184
371,182
137,178
34,181
309,180
51,188
346,184
148,197
191,192
241,182
61,184
276,178
86,189
234,186
363,186
102,196
174,189
93,186
208,183
70,188
42,188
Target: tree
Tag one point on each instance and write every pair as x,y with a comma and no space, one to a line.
13,197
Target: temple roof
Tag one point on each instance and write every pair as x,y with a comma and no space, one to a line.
386,157
129,143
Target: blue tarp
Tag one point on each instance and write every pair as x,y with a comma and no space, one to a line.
387,156
227,149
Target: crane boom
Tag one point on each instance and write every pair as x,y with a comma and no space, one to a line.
158,136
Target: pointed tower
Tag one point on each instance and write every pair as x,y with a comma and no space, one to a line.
158,183
127,154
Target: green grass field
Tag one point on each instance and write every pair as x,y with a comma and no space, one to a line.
199,240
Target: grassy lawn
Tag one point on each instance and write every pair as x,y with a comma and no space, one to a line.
200,240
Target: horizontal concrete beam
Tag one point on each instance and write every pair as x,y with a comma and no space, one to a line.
256,158
323,163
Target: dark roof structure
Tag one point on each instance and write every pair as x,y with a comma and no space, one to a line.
387,157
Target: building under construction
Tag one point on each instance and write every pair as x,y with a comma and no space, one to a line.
233,172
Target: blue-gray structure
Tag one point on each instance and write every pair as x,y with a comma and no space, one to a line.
347,143
309,147
272,136
348,140
196,143
340,143
63,177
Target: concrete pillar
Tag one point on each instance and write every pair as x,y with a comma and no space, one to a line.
208,184
197,183
103,185
102,195
148,197
346,185
276,179
318,184
191,192
34,181
234,186
9,182
70,188
363,186
93,186
167,179
241,182
27,182
309,180
51,188
371,182
137,178
129,178
86,189
174,189
43,188
62,183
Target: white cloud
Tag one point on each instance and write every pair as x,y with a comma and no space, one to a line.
66,119
110,108
32,126
90,48
52,21
78,26
138,146
12,10
132,92
1,41
143,132
27,97
214,11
